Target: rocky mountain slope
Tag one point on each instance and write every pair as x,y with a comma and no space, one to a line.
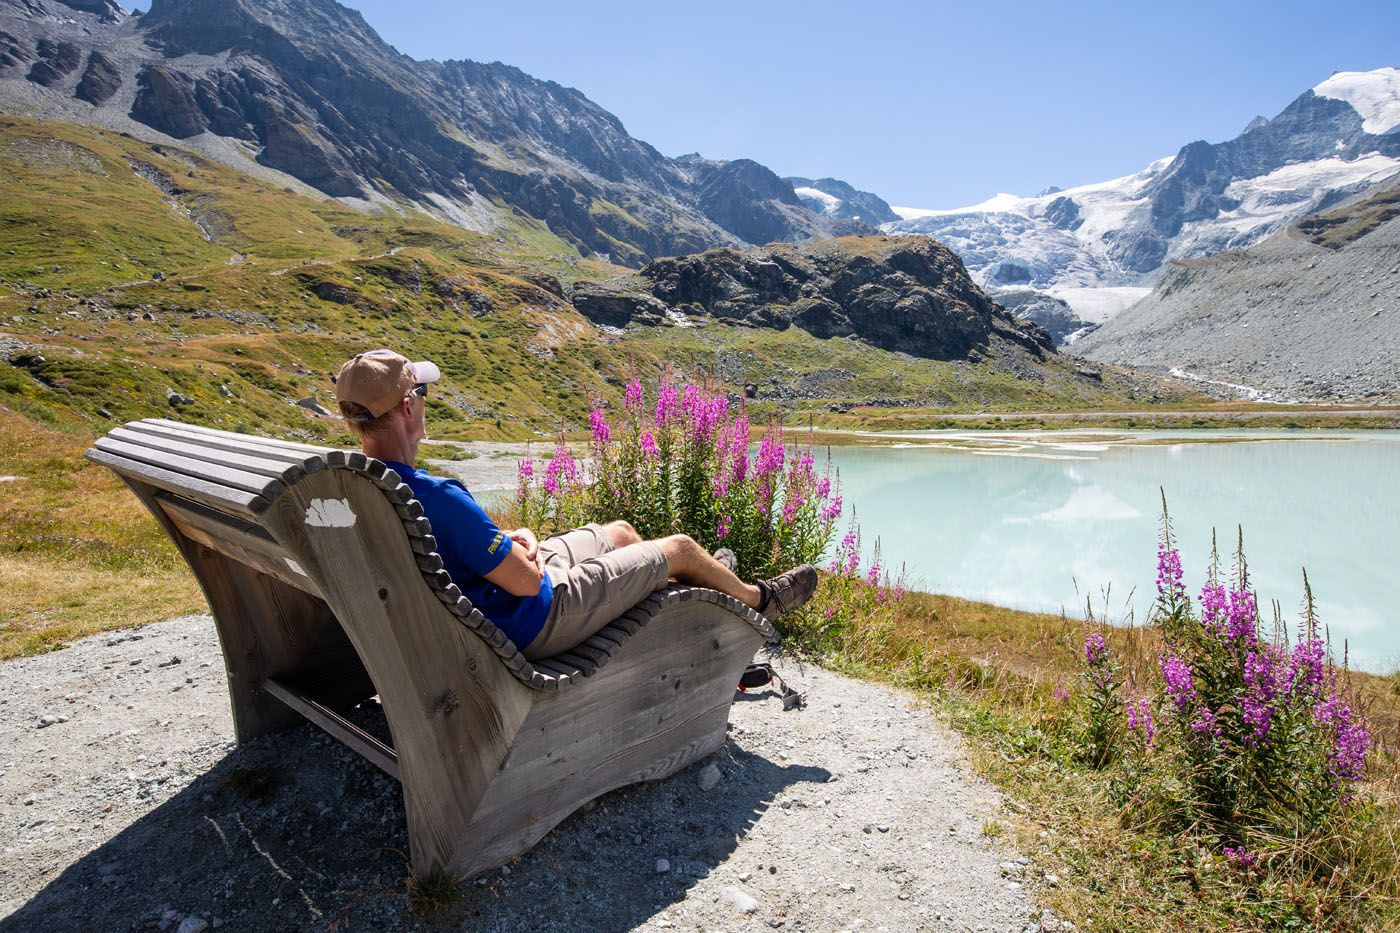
140,278
1311,312
836,198
305,93
1334,141
909,294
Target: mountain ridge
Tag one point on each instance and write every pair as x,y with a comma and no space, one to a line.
308,90
1208,198
1308,313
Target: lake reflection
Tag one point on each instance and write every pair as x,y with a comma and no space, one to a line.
1042,521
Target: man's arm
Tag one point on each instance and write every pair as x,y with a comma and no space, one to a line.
518,574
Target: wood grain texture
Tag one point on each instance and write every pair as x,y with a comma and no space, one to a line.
243,480
644,719
452,707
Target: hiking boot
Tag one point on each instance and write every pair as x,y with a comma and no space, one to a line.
728,558
787,591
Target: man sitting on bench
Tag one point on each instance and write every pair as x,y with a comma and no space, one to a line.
546,595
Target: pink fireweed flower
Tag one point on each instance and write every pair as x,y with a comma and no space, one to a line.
1214,603
649,449
1351,740
1240,857
709,416
1095,651
1181,687
666,405
1241,615
598,422
1205,723
1308,663
831,510
1259,716
739,444
527,469
723,529
561,471
633,396
771,456
741,467
1140,721
1169,584
1061,693
824,487
872,576
720,485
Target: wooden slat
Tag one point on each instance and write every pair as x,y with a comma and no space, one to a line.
556,667
208,493
214,530
286,472
603,643
237,444
245,438
586,665
342,729
198,469
628,625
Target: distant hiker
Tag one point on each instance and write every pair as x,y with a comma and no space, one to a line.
546,595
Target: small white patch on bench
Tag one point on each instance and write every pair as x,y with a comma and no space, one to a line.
296,568
330,513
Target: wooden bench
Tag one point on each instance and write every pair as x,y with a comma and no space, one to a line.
326,590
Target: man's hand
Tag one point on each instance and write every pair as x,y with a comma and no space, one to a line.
526,539
522,570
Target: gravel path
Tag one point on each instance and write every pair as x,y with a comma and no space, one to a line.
125,805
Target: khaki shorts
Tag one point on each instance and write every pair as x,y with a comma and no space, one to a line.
594,583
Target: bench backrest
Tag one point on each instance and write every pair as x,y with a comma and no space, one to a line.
219,488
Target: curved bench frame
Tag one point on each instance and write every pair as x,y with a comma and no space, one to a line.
321,573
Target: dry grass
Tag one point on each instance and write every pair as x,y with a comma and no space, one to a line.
78,553
45,606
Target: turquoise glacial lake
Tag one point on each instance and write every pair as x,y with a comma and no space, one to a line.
1048,520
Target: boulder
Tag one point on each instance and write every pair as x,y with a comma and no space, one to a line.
616,305
100,80
56,61
165,102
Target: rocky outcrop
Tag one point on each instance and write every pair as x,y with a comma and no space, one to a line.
314,93
900,293
1310,313
165,101
13,52
100,80
836,198
105,10
1053,314
616,305
56,61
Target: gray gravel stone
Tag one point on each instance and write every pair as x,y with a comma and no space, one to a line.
148,800
708,777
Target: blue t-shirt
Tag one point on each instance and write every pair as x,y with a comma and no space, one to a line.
472,546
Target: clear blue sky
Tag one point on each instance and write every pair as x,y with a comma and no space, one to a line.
928,104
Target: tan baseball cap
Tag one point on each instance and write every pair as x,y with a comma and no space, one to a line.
380,378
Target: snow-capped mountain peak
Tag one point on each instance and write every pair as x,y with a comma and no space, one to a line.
1374,94
1098,246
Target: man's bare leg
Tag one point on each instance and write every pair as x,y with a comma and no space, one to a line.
622,534
688,562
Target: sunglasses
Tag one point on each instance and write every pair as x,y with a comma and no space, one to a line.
420,390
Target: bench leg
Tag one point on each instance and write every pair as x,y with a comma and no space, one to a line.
267,629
